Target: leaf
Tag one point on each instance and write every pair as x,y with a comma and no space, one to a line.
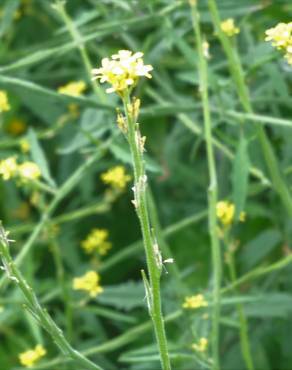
39,157
240,176
260,247
9,10
270,305
124,296
122,152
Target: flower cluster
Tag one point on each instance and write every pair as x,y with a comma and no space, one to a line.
195,301
201,346
116,177
32,356
281,38
97,240
27,171
4,104
89,283
226,212
122,71
73,88
229,28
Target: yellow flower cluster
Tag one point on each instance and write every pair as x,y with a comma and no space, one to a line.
32,356
116,177
201,346
122,71
27,171
4,104
281,37
229,28
73,88
97,240
195,301
8,168
226,211
89,283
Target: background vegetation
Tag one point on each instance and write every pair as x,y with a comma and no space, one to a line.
41,51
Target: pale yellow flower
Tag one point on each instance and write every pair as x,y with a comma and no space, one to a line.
8,168
116,177
32,356
29,171
89,283
281,38
201,346
122,71
4,103
73,88
97,240
195,301
229,28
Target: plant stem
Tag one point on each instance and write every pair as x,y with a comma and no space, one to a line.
213,187
60,6
153,257
243,327
35,308
64,287
237,73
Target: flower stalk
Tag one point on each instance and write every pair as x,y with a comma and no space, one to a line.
237,74
123,71
35,308
153,256
213,187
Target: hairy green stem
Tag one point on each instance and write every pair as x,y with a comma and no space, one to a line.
237,74
35,308
213,188
153,257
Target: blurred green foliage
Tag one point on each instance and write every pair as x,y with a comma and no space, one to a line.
38,55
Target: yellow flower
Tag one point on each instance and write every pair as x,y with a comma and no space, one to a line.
116,177
201,346
16,126
73,88
195,301
32,356
281,37
88,282
226,212
28,171
229,28
4,104
97,240
24,145
8,168
122,71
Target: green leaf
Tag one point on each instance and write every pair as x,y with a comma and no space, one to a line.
39,157
240,176
260,247
124,296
